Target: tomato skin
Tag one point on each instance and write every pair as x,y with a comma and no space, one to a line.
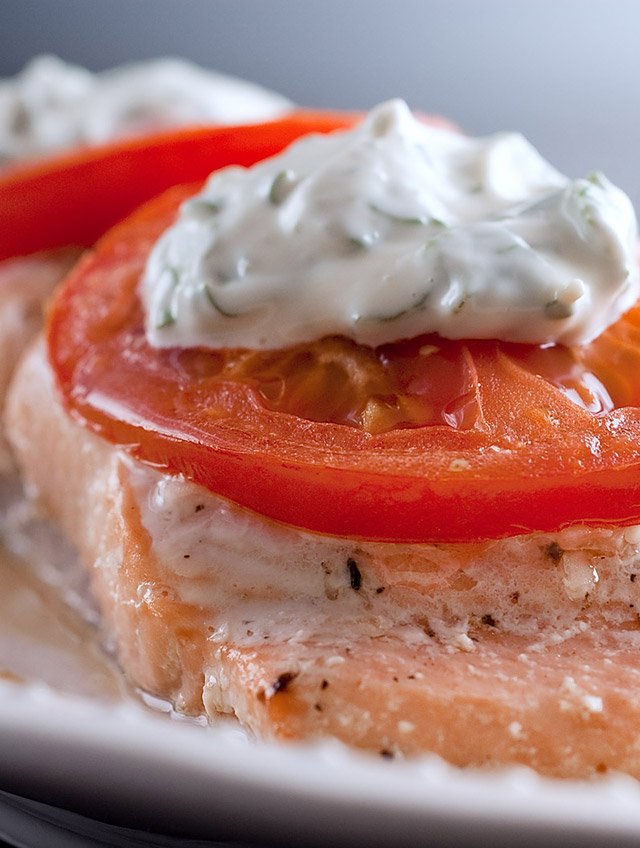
532,460
73,198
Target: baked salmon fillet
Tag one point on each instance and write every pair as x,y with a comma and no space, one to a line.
26,283
330,497
520,650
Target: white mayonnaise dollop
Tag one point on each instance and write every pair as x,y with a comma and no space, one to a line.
52,104
389,231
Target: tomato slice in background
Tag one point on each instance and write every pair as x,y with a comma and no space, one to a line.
426,440
74,197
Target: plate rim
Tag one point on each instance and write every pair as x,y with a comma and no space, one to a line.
321,778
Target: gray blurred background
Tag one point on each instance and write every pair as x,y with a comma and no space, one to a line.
564,72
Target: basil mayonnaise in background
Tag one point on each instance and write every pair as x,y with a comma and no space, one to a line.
389,231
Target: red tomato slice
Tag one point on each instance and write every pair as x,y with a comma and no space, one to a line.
427,440
74,197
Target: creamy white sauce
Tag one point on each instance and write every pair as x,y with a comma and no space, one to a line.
52,104
255,579
389,231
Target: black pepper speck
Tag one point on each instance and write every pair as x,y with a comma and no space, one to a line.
554,552
355,577
283,681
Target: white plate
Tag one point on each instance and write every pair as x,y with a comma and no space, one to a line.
127,765
89,745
